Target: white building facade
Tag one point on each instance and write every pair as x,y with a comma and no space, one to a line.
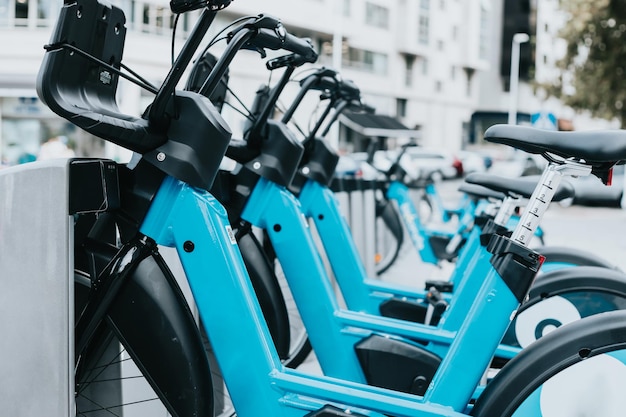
417,60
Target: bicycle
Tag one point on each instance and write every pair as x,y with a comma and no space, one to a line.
133,299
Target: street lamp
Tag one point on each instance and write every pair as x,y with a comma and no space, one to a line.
518,39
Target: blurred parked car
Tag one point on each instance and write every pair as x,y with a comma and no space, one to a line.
519,164
436,162
473,161
590,191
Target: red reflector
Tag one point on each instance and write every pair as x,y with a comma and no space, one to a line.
609,177
542,259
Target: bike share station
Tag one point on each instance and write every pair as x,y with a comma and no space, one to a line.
163,199
37,286
36,292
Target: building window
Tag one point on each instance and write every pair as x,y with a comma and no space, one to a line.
346,8
376,15
370,61
455,32
423,24
21,12
485,9
408,74
424,66
438,86
400,107
453,73
440,45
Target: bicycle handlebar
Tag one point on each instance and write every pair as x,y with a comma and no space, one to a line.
278,38
182,6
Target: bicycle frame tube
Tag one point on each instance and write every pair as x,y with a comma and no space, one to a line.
463,206
360,293
196,224
273,208
319,203
400,193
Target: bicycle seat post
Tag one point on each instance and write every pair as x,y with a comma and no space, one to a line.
505,210
543,195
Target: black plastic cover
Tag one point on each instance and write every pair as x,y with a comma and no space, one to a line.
318,164
402,309
199,74
439,245
93,186
193,154
440,285
280,155
489,228
332,411
396,364
516,264
319,161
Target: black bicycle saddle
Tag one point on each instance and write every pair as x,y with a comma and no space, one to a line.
517,186
479,192
596,147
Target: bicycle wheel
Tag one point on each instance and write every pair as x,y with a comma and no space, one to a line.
563,296
121,369
389,235
299,345
577,370
107,381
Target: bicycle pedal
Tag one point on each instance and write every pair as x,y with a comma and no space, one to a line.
441,286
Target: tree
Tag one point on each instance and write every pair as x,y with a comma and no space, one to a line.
594,66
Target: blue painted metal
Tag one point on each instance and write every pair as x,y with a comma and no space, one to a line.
273,208
400,193
472,350
196,224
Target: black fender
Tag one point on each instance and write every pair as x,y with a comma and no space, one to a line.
152,320
591,289
580,278
573,256
549,355
386,211
267,289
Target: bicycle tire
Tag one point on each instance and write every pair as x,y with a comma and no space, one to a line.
299,344
389,230
572,256
563,296
99,379
147,311
576,353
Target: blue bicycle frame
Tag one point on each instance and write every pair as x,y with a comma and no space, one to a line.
181,215
360,293
335,329
419,235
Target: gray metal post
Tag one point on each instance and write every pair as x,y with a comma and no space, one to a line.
36,292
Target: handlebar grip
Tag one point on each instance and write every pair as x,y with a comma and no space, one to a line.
279,39
349,89
282,61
